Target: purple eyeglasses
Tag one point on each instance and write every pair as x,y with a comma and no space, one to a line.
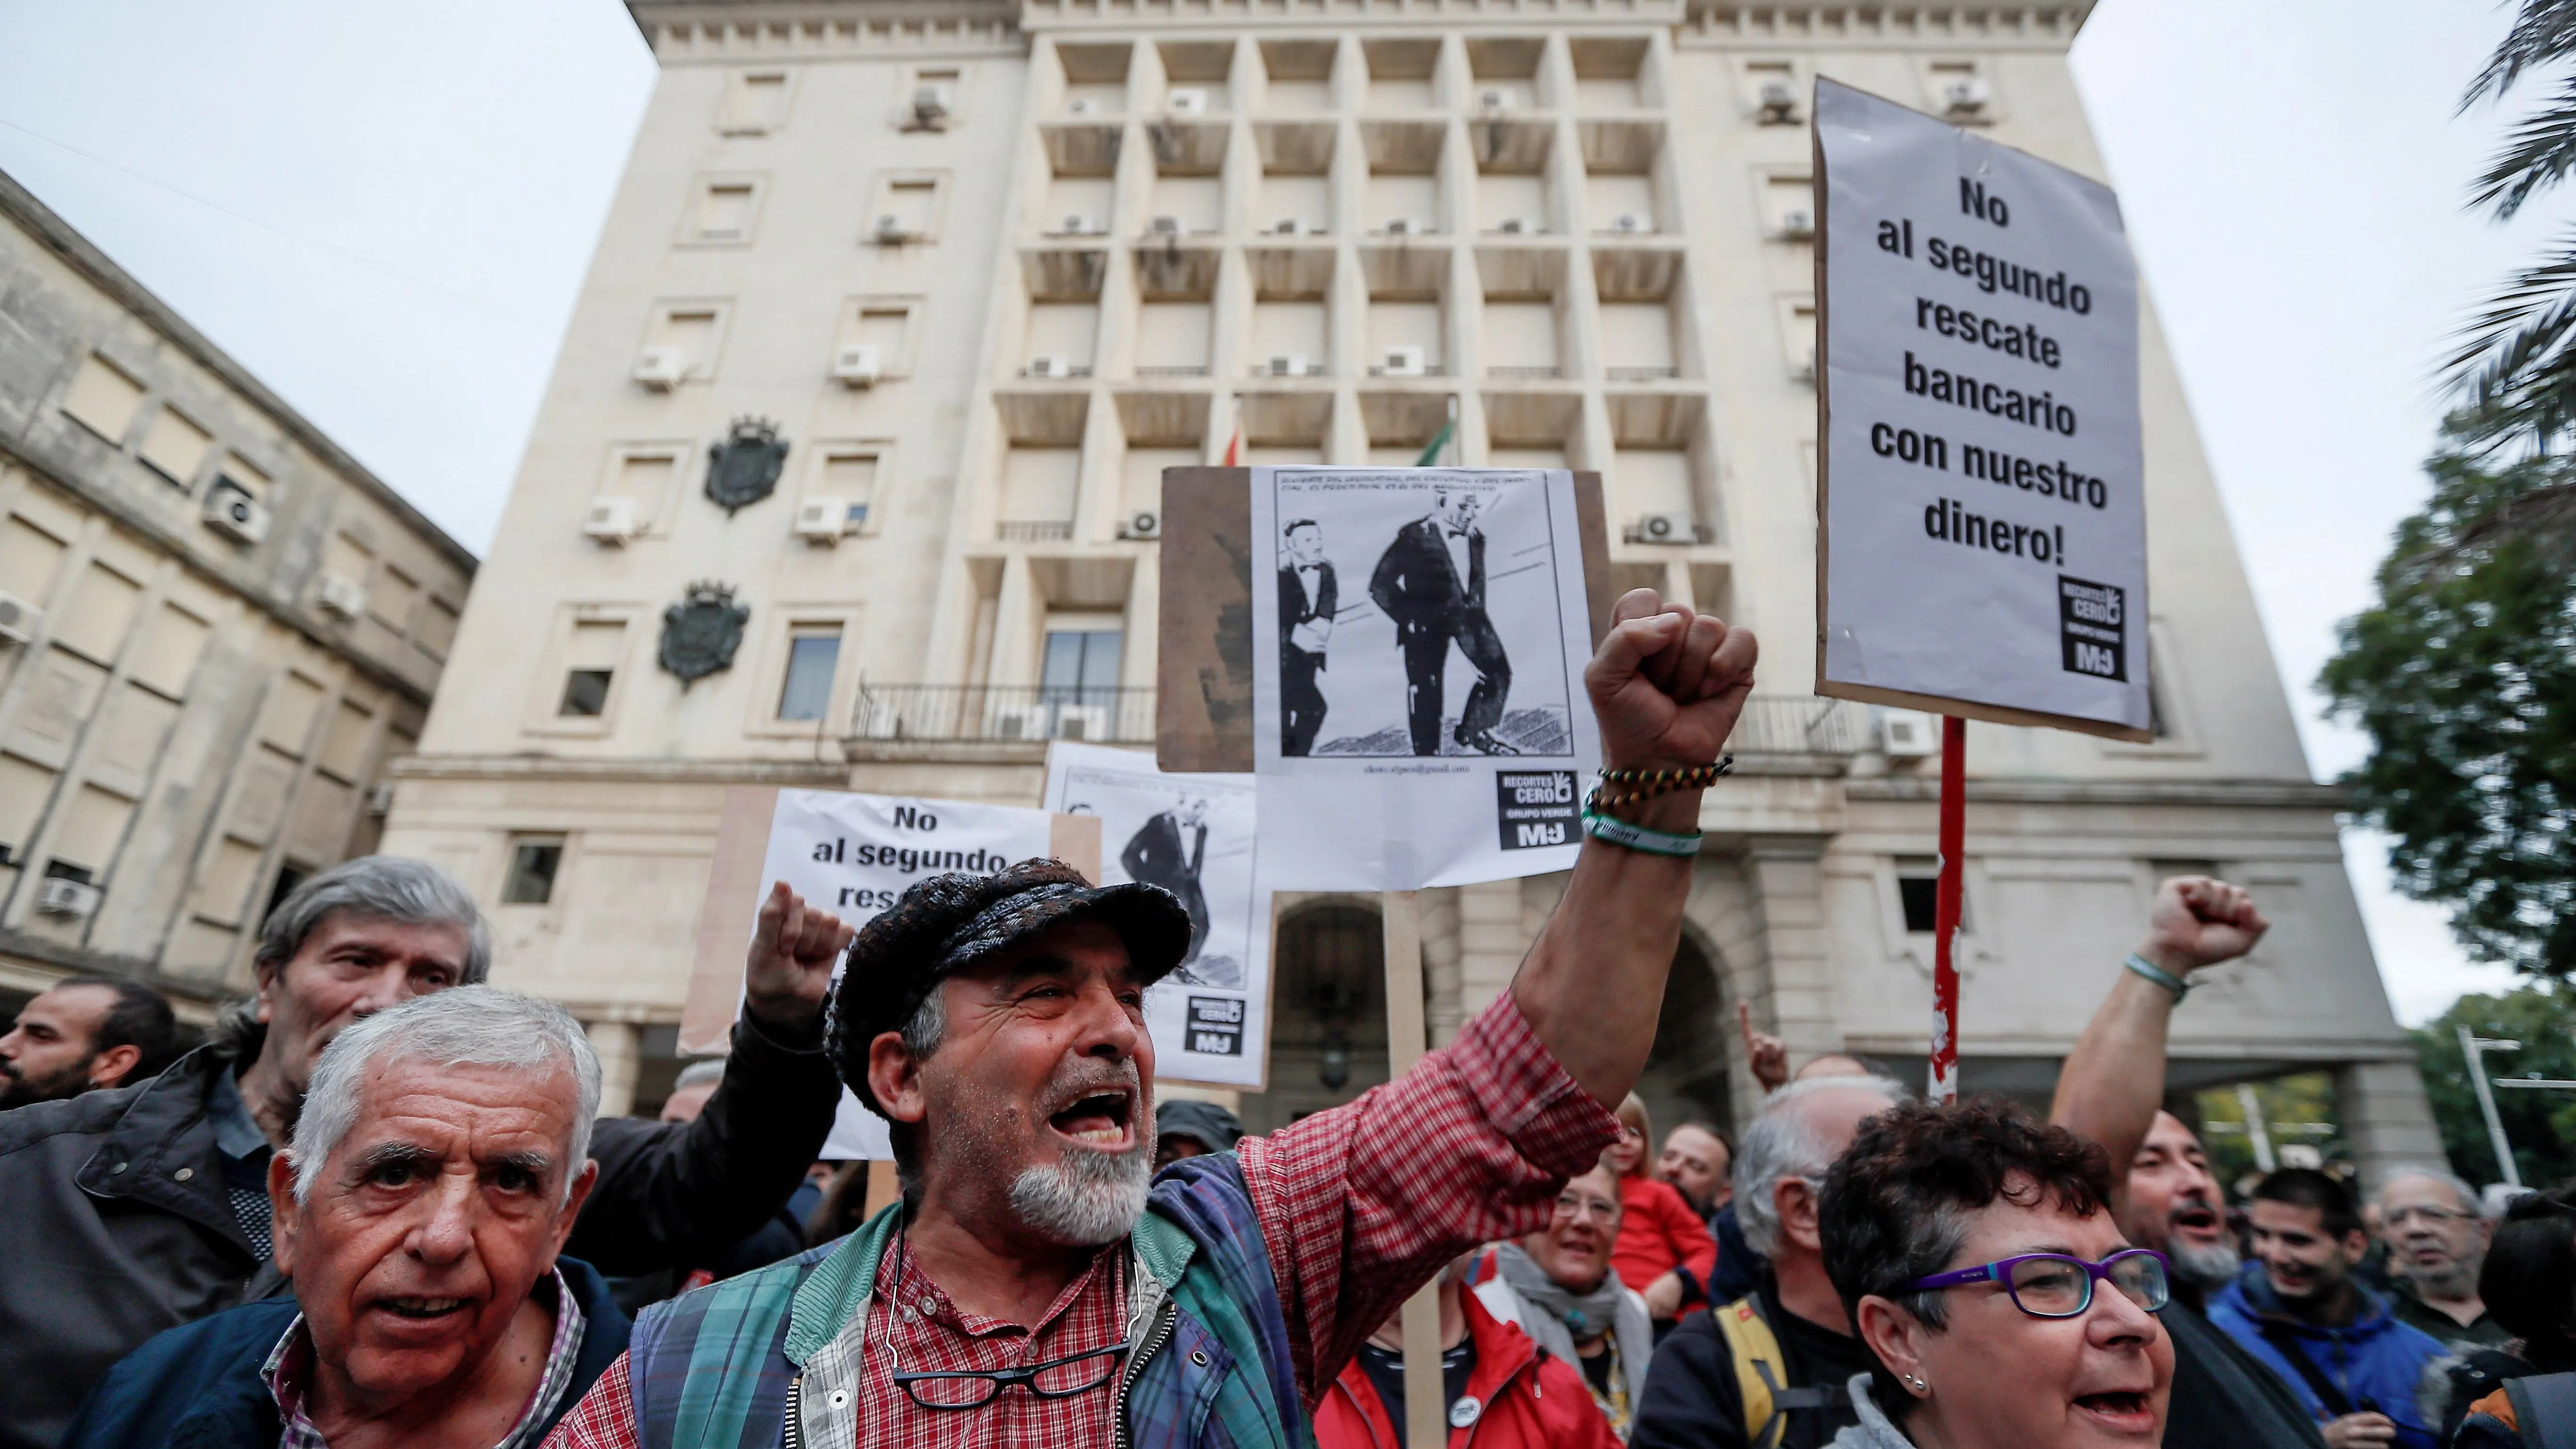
2058,1285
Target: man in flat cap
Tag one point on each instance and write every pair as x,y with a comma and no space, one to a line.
1038,1285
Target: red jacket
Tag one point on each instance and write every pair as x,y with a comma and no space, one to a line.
1658,1232
1531,1400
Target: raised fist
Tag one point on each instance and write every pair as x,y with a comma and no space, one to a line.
1667,684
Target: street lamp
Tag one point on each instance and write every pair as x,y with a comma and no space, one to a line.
2470,1047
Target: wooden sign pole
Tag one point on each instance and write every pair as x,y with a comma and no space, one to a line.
1426,1416
1946,910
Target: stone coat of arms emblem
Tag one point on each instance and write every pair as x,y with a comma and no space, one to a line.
702,631
744,468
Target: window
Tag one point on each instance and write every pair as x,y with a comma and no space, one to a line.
1080,662
724,212
852,478
246,476
755,104
1918,894
103,398
289,876
590,666
176,447
531,881
813,652
910,205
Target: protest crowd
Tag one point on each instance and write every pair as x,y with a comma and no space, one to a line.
379,1205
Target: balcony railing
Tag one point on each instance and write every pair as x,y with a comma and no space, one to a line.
1525,373
1033,714
1003,714
1640,374
1172,369
1044,530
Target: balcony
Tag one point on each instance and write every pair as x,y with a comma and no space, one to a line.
998,714
1788,724
1044,530
1640,374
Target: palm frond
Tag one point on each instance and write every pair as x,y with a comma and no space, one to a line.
2538,153
2545,31
2515,365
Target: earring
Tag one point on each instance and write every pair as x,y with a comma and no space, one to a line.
1920,1386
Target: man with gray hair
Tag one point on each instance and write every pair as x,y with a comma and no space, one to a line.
145,1207
440,1160
2437,1239
1791,1331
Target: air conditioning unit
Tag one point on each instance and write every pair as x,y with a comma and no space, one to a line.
1021,721
345,597
930,107
232,512
661,368
1144,523
1909,734
1779,101
610,520
1074,223
1284,226
1406,226
1050,365
19,620
1403,362
1082,722
823,520
1666,528
1289,364
1516,226
56,896
1629,223
1079,106
1495,98
1165,226
380,799
1966,99
857,364
1798,225
893,230
1188,101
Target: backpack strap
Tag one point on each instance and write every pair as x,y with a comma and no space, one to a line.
2544,1410
1762,1374
2337,1402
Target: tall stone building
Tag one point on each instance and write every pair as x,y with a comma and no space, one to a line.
984,268
215,627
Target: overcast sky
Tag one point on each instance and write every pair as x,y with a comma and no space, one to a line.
386,211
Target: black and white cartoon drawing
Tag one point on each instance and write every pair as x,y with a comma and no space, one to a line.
1308,594
1431,582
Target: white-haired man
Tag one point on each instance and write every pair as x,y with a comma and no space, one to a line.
138,1209
2437,1236
1040,1286
1792,1327
441,1158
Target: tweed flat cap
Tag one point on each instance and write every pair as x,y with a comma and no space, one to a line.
945,924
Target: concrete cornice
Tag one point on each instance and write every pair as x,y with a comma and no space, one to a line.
1164,15
55,959
702,31
1833,24
2270,794
21,206
797,774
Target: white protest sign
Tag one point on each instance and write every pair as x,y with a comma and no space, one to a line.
854,854
1419,637
1193,836
1980,496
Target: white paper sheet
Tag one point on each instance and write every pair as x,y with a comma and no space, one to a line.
1193,835
854,854
1441,736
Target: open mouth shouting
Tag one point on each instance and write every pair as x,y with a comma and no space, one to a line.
422,1309
2197,1221
1102,1121
2121,1411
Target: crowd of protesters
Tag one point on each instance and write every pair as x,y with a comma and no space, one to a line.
379,1205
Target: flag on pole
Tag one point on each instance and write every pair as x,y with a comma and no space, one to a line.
1431,451
1234,444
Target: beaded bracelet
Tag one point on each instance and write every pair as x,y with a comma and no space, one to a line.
1651,783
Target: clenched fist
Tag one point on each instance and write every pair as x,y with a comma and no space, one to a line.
790,964
1667,684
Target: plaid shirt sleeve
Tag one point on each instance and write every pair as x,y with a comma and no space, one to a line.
605,1418
1365,1203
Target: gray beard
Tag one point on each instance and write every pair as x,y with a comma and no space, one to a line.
1089,1199
2206,1267
2452,1284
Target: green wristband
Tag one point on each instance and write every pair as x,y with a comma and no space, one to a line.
2159,975
1637,837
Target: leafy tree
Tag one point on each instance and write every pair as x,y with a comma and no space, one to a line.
2539,1125
2464,676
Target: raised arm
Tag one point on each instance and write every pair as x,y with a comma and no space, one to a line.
1667,686
2113,1083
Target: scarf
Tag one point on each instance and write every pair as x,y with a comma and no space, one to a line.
1558,1317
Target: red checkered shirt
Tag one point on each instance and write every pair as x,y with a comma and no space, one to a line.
1359,1207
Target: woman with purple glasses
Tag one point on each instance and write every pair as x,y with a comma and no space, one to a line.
1975,1250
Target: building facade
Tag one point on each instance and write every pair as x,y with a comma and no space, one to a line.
984,268
215,627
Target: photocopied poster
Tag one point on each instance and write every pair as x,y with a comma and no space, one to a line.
854,854
1982,511
1193,835
1419,717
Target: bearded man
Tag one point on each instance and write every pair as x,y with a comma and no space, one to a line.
2111,1090
1035,1287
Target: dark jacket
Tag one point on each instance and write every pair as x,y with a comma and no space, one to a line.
1694,1400
199,1386
1739,1268
117,1227
1525,1399
2373,1363
2224,1397
1416,583
1293,608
